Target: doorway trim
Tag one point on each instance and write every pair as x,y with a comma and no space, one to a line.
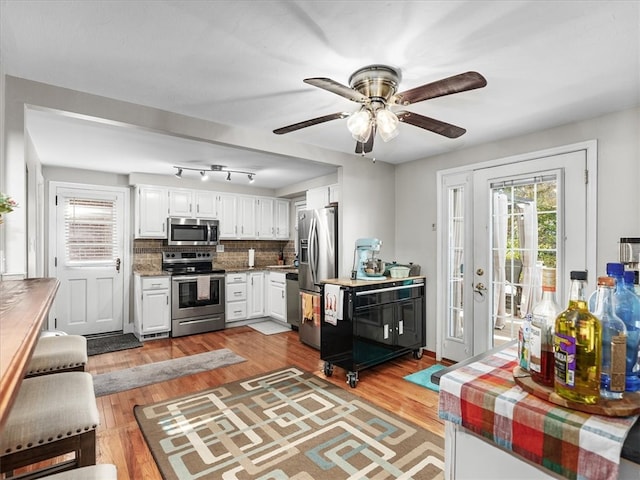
590,147
127,257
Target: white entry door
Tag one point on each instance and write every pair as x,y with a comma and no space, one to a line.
504,224
88,253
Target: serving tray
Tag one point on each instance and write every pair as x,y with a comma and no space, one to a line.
628,405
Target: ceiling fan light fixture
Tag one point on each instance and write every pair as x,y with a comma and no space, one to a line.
359,124
387,124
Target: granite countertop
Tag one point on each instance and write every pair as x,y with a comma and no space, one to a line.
270,268
347,282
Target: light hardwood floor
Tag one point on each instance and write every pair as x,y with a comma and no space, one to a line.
120,441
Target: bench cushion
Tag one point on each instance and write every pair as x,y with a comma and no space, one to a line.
58,353
48,408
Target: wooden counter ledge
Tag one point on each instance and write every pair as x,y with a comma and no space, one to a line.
24,306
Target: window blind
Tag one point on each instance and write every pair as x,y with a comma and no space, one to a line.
90,230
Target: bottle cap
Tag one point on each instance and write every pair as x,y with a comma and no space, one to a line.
578,275
615,269
549,278
607,281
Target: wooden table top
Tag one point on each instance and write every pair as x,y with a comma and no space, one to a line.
24,306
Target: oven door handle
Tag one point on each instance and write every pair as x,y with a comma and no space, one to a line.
193,279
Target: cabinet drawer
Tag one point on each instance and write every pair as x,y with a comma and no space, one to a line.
155,283
236,311
236,278
236,291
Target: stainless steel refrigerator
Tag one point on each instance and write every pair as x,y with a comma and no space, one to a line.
318,256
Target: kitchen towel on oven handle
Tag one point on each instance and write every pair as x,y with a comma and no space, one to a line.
203,287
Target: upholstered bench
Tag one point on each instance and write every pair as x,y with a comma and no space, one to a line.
95,472
59,353
52,415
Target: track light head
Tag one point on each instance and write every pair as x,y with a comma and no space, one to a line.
204,176
179,174
250,177
228,176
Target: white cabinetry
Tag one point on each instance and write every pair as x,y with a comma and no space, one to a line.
265,215
322,196
227,215
152,317
236,297
206,204
246,217
151,212
180,203
278,296
282,219
255,295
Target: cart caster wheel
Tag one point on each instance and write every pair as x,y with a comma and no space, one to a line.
328,369
417,354
352,379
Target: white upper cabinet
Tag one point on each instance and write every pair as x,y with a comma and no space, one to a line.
151,211
282,219
227,215
206,204
180,203
265,218
246,217
322,196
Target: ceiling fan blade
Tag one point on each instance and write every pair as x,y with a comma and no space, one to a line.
446,86
436,126
308,123
337,88
366,147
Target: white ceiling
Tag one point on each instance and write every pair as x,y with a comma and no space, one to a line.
241,64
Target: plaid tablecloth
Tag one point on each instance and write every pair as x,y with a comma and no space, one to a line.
484,398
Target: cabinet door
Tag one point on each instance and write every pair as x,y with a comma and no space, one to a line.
155,311
265,218
277,297
409,326
246,217
282,219
180,203
334,193
255,294
317,198
206,204
151,212
227,213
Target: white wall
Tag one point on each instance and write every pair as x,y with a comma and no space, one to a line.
618,187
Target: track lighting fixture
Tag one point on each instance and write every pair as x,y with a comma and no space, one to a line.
214,168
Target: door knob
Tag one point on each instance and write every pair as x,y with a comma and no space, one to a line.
480,288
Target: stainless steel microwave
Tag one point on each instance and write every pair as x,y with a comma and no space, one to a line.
192,231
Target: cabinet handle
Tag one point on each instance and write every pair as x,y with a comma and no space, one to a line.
283,294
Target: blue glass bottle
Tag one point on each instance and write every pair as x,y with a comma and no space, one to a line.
627,307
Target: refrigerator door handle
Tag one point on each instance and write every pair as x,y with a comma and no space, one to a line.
312,250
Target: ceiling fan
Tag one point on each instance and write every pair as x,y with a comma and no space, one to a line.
375,87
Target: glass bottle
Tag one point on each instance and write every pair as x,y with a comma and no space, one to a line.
577,346
614,341
627,307
544,313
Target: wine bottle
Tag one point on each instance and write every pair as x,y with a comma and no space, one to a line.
577,346
614,341
544,313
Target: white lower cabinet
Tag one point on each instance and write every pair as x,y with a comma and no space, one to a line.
152,316
278,296
255,295
235,297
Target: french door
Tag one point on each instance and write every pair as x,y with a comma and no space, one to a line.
502,225
87,254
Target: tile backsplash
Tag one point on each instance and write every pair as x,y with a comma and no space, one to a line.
147,254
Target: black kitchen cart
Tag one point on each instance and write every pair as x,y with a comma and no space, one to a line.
382,320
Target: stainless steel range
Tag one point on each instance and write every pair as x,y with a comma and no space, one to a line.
197,293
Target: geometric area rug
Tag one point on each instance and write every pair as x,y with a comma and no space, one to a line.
286,424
